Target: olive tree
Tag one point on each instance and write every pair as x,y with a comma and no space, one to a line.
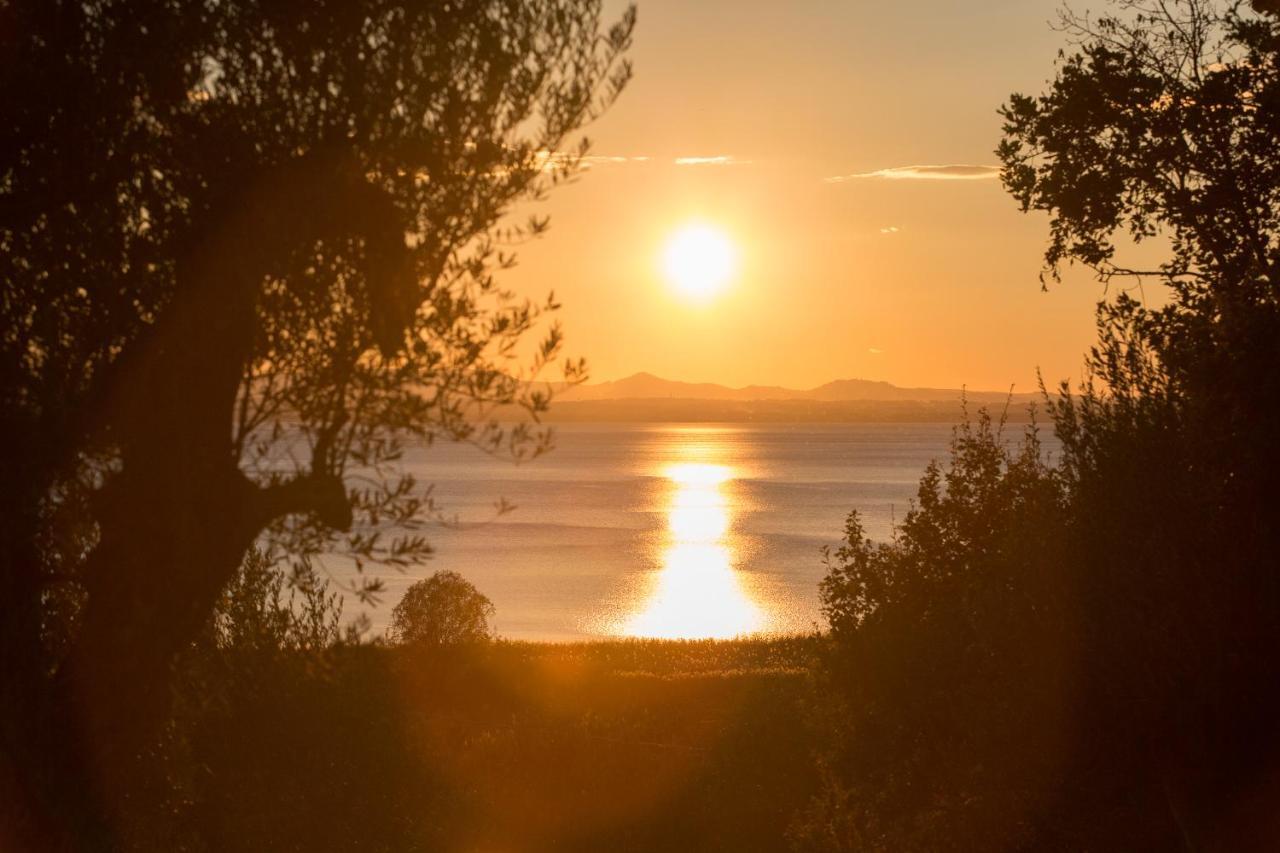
248,250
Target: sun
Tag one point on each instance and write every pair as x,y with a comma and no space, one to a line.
699,261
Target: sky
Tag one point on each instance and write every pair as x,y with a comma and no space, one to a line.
787,128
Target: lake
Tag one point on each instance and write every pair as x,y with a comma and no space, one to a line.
664,530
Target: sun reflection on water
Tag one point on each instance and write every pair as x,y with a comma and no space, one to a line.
698,592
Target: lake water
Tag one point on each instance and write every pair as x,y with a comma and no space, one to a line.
665,530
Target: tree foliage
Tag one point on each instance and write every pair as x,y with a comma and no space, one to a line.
249,250
1174,421
1162,122
1080,657
444,609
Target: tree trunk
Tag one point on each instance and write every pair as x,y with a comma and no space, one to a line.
178,517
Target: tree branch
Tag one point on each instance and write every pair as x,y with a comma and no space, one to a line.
321,495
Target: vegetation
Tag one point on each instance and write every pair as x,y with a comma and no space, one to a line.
444,609
1080,657
248,249
945,692
288,736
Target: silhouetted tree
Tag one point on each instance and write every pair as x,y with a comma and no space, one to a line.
1117,690
1167,124
247,249
442,610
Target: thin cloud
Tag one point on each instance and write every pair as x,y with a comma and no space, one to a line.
597,159
949,172
719,160
875,350
551,161
892,229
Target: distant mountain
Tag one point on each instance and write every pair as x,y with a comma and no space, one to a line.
684,410
646,386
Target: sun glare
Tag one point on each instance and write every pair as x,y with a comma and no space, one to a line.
699,261
698,592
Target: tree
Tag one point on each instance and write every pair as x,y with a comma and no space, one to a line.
1162,123
248,250
443,609
1082,657
1165,125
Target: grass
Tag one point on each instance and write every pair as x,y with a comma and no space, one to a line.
626,745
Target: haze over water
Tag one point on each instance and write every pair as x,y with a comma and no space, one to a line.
666,530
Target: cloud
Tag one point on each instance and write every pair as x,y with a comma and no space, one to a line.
875,350
950,172
598,159
719,160
551,161
892,229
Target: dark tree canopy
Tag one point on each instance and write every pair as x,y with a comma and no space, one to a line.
248,249
1162,122
1080,656
441,610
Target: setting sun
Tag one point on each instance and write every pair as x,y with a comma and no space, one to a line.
698,261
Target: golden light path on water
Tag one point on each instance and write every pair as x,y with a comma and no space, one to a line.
698,593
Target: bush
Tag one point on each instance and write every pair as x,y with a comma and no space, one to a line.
443,609
255,614
941,690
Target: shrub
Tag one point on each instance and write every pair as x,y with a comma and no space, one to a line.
443,609
941,690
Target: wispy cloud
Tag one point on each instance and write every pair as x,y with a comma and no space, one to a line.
892,229
949,172
600,159
550,161
718,160
553,160
875,350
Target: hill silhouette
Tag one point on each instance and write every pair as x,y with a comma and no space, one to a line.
646,386
643,397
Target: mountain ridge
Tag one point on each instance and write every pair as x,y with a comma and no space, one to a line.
647,386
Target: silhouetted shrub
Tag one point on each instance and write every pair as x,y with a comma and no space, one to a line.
946,647
263,610
443,609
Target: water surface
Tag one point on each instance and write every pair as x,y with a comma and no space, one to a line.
665,530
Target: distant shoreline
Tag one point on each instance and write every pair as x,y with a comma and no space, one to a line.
681,410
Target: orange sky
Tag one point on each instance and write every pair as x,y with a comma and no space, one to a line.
902,276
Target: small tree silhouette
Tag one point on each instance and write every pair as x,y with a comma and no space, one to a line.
442,610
